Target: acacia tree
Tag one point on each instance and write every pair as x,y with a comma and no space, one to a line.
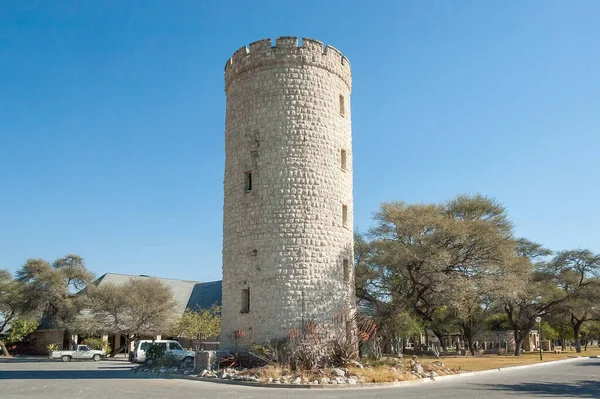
545,288
11,303
198,325
424,255
140,307
55,291
577,274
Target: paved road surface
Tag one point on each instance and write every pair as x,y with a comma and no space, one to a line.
112,379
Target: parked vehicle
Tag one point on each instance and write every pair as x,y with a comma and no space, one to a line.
173,348
83,352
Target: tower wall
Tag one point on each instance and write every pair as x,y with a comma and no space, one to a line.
285,239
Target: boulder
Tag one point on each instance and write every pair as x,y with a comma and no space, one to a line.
338,372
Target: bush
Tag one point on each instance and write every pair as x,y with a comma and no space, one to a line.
98,344
167,360
155,351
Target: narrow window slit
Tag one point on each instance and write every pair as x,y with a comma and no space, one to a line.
245,300
248,181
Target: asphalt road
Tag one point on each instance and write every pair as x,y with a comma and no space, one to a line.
34,378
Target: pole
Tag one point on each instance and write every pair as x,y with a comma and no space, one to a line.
540,327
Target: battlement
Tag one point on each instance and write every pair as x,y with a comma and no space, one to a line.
287,51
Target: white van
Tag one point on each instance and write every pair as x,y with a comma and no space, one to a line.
174,348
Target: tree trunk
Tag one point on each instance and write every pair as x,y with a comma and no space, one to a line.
4,349
440,337
116,351
519,338
563,344
576,329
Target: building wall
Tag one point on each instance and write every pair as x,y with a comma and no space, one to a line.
285,239
39,341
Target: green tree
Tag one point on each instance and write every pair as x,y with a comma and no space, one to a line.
198,325
19,329
12,299
428,256
140,307
577,274
55,290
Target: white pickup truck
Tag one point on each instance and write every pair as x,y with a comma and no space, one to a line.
83,352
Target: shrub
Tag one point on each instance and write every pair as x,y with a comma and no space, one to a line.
52,347
155,351
167,360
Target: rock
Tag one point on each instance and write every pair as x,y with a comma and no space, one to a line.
315,382
338,372
297,381
270,380
417,367
352,380
437,363
224,374
325,380
340,380
357,364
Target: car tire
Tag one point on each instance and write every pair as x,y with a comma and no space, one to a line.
96,358
188,361
66,358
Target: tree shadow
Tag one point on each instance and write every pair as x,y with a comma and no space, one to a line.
578,389
101,374
12,360
590,363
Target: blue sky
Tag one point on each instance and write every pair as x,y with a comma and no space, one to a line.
112,118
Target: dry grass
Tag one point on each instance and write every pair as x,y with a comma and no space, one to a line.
487,362
381,374
264,373
391,369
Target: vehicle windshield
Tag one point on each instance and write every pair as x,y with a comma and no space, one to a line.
175,345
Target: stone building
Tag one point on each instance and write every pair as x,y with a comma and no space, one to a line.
288,222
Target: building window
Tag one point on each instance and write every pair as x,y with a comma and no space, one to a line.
346,265
248,181
345,215
343,159
342,107
245,300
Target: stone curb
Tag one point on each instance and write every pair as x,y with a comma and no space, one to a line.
368,385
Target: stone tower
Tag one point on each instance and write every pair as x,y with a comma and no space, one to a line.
288,220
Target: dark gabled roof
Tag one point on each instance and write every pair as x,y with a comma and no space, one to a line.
205,295
181,289
188,294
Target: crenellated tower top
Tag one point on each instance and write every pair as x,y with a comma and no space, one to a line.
287,51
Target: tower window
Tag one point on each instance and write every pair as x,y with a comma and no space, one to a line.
345,215
343,159
245,301
346,265
248,181
342,108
